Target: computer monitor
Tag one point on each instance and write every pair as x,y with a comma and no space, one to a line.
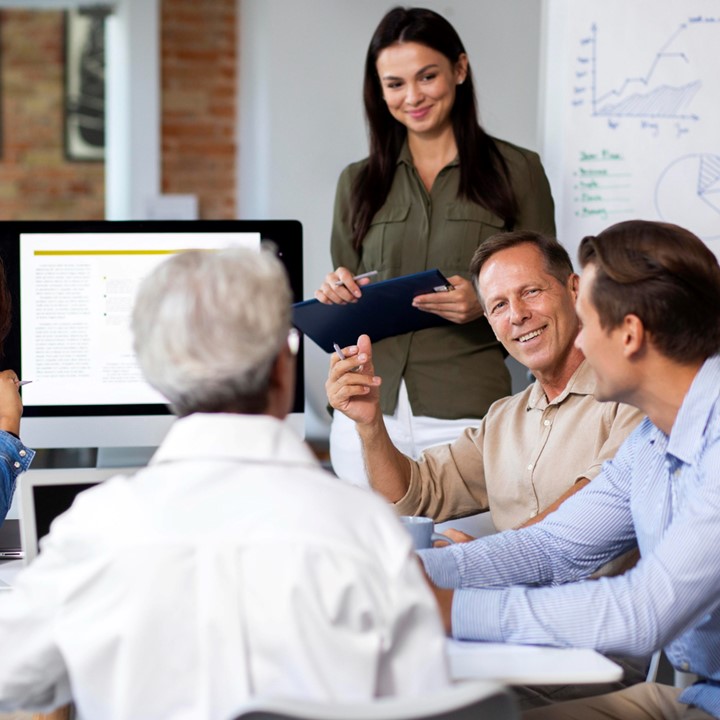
72,285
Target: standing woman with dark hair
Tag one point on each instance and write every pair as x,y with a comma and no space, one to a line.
14,456
434,186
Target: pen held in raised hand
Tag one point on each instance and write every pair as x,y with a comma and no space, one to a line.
341,355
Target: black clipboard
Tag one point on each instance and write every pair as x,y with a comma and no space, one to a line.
384,310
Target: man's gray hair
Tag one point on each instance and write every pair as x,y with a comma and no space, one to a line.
208,326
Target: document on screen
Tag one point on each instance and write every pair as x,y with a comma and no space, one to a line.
76,296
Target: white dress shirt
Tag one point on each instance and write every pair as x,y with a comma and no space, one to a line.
231,567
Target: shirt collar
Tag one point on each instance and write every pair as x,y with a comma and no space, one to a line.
687,436
582,382
405,158
249,438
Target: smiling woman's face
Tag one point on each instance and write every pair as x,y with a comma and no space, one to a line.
418,85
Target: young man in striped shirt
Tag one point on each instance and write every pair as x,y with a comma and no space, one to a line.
649,304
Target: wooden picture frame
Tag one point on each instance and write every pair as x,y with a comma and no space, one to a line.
84,108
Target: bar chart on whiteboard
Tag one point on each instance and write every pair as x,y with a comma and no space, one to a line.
632,114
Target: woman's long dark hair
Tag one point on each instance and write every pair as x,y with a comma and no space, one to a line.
484,175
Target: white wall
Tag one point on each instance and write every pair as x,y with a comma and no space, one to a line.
301,119
132,116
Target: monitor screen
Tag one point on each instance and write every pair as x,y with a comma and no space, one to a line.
73,285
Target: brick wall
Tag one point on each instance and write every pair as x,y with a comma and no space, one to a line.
198,114
199,90
36,181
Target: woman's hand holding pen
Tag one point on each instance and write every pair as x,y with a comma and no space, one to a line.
351,386
459,305
342,287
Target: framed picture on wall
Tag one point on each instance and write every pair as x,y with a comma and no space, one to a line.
84,119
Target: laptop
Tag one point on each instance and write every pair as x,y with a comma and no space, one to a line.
9,545
45,494
10,548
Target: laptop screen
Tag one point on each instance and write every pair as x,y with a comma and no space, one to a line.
45,494
51,501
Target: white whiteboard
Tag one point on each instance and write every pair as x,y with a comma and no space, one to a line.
632,114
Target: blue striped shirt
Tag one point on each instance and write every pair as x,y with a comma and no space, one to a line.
660,492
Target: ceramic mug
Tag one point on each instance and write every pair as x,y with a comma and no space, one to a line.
422,531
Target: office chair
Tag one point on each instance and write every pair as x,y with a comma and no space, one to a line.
660,670
473,700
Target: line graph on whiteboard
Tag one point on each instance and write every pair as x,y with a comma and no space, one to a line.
664,87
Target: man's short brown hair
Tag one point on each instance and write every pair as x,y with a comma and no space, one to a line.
557,260
664,275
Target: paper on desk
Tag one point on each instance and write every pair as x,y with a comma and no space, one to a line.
529,664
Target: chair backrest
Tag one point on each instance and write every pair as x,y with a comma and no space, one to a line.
471,700
660,670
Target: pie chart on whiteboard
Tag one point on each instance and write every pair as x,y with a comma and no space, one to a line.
688,194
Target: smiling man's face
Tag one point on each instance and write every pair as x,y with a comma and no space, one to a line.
531,312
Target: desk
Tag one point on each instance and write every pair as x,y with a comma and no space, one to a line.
529,664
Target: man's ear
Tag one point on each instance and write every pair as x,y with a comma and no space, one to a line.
633,336
573,285
480,300
281,385
487,317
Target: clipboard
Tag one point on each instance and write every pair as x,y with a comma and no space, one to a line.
384,310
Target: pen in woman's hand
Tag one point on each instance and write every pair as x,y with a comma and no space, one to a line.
362,276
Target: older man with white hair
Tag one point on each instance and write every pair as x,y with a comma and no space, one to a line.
233,565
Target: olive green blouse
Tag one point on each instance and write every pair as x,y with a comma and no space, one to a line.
453,371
